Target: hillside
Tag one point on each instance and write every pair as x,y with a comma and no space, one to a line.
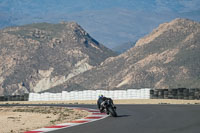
111,22
37,57
166,58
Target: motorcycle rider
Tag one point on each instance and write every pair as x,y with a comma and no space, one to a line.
101,101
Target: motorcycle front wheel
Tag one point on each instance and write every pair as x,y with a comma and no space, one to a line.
112,111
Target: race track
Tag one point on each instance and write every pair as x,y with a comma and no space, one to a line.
142,119
145,119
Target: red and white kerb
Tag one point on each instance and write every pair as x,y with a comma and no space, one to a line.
96,115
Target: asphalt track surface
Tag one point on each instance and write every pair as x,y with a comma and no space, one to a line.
143,119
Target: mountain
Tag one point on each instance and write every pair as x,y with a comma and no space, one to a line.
123,47
39,56
169,57
111,22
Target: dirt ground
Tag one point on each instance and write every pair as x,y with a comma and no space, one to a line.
20,119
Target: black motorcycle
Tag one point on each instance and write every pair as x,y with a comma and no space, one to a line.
109,108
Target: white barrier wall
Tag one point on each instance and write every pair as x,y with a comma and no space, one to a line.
91,95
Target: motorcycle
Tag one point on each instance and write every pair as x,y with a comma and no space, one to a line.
109,108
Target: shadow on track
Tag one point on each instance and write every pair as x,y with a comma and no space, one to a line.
123,115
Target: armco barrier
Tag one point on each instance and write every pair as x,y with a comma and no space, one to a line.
91,95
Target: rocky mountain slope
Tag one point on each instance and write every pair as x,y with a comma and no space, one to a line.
37,57
169,57
110,22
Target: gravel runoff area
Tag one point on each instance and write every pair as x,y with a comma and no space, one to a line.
17,119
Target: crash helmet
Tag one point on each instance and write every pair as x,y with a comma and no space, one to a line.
100,95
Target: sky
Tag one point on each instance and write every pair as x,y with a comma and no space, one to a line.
111,22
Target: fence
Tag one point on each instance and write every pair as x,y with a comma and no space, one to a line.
91,95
